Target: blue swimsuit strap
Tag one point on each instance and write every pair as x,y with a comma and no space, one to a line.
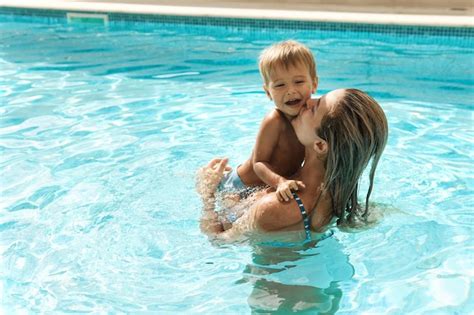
307,229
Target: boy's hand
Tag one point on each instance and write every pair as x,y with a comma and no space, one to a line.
283,190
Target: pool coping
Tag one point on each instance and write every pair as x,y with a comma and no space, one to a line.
246,13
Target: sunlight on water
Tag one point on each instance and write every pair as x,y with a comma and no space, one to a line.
101,132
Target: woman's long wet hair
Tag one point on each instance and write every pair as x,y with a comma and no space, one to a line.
356,131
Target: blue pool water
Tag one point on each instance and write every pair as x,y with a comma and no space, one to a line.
102,130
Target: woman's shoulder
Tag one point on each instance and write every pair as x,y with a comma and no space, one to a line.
272,215
321,211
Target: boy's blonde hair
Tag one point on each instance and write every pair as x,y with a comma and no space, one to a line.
285,54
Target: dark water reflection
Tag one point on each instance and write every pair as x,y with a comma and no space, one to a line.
304,279
279,298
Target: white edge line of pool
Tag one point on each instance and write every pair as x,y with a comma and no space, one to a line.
309,16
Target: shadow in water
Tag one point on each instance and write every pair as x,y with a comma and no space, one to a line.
278,298
304,279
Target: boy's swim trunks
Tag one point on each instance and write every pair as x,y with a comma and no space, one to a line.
231,182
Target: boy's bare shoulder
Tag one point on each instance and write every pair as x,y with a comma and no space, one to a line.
274,119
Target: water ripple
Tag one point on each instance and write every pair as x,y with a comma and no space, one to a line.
102,130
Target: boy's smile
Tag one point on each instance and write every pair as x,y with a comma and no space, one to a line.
290,88
293,102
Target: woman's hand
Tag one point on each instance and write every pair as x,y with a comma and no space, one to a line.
209,176
207,181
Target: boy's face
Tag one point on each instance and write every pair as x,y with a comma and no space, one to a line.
290,88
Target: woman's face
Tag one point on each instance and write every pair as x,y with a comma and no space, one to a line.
310,116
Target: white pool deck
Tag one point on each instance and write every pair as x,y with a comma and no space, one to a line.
448,15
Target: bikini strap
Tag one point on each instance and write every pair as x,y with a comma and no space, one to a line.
306,222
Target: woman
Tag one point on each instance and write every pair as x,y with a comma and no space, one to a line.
342,131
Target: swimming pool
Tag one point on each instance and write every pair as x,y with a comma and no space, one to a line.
102,131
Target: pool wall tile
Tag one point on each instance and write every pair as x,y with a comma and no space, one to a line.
59,16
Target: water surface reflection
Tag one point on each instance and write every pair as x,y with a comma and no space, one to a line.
304,278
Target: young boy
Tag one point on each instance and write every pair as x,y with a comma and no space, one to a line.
288,70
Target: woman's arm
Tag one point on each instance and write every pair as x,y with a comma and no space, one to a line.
207,181
265,214
272,215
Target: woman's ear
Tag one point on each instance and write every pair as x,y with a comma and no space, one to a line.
267,92
321,147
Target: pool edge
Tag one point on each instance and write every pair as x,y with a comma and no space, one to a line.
293,15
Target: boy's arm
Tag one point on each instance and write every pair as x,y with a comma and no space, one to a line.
265,144
267,140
